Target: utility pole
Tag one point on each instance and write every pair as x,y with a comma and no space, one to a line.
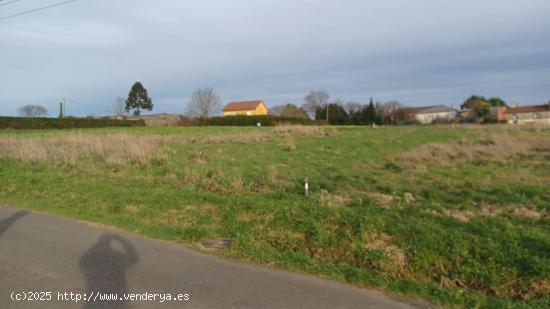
328,105
62,108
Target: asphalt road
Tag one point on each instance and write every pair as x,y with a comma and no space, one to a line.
41,253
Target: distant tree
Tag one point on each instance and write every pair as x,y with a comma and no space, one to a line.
387,110
399,116
475,99
482,109
119,107
471,101
336,114
32,111
138,99
379,113
497,102
289,110
479,105
315,101
277,110
354,112
203,103
369,114
353,107
390,106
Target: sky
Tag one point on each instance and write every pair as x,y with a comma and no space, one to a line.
423,52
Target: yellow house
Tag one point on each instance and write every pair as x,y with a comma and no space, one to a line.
246,108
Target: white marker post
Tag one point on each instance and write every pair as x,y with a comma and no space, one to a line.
306,187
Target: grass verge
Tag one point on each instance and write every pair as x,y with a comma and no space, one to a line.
456,216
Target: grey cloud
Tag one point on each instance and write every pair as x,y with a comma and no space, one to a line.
419,52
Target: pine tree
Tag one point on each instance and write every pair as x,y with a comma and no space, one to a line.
138,99
369,115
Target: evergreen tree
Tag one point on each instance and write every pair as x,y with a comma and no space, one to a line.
369,114
355,116
379,113
336,114
138,99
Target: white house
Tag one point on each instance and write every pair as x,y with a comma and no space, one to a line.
429,114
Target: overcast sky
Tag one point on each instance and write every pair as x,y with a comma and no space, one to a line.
419,52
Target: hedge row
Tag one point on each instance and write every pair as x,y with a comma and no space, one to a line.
254,120
64,123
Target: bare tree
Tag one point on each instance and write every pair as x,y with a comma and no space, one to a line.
391,112
119,107
315,101
390,107
353,107
32,111
203,103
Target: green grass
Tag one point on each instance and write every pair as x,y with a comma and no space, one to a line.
474,234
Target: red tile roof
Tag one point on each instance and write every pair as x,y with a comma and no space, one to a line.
242,106
528,109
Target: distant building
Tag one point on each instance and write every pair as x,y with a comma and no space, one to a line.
498,113
528,114
245,108
428,114
159,119
467,115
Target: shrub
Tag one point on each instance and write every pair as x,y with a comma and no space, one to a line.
185,121
65,123
253,120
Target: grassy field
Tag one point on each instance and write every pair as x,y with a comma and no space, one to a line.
457,216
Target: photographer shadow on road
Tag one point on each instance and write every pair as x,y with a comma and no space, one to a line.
105,265
6,223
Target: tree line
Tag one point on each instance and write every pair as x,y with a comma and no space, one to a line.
318,105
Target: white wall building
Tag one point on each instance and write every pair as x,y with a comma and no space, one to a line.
430,114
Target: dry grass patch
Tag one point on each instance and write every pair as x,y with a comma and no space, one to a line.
528,213
259,135
289,144
197,158
246,217
187,216
113,149
272,173
337,198
301,130
496,148
238,184
133,209
489,211
272,180
190,176
409,198
485,211
125,149
383,242
382,200
460,215
538,288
